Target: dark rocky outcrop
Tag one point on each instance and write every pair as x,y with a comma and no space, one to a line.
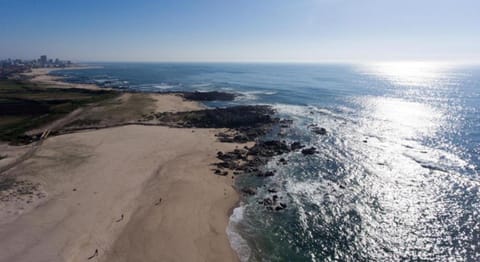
309,151
249,191
269,148
265,174
296,146
246,123
208,96
243,118
272,203
220,172
319,130
237,154
280,206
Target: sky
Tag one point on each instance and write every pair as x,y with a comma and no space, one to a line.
241,30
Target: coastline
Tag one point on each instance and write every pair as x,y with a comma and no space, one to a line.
97,193
41,76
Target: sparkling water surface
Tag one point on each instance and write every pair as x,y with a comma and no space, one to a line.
397,176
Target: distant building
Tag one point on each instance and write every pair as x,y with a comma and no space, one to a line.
43,60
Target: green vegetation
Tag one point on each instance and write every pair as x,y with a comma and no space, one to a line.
25,106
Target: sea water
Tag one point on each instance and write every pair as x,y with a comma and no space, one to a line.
396,176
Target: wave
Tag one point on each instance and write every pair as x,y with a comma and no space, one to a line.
294,110
238,244
105,80
164,86
252,95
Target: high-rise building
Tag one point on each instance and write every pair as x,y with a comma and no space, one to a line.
43,60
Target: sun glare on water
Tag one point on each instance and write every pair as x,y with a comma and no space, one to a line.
410,169
409,73
407,112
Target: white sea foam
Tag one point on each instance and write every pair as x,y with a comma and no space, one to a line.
104,80
164,86
236,241
253,95
294,110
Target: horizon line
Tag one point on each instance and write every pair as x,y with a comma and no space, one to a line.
438,61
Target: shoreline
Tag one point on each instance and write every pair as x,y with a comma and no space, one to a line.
42,76
146,151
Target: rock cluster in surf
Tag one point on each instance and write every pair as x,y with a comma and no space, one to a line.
244,124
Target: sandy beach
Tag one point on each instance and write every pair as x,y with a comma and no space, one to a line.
126,193
41,76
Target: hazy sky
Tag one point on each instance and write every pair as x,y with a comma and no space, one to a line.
241,30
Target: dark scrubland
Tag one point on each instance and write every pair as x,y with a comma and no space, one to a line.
25,106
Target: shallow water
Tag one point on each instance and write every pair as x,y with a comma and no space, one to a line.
397,176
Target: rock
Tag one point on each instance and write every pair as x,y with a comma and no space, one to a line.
244,119
240,139
267,202
220,173
227,164
319,130
269,148
286,121
208,96
266,174
237,154
309,151
272,190
296,146
250,169
283,161
249,191
279,207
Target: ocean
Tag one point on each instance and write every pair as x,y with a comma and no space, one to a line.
396,176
